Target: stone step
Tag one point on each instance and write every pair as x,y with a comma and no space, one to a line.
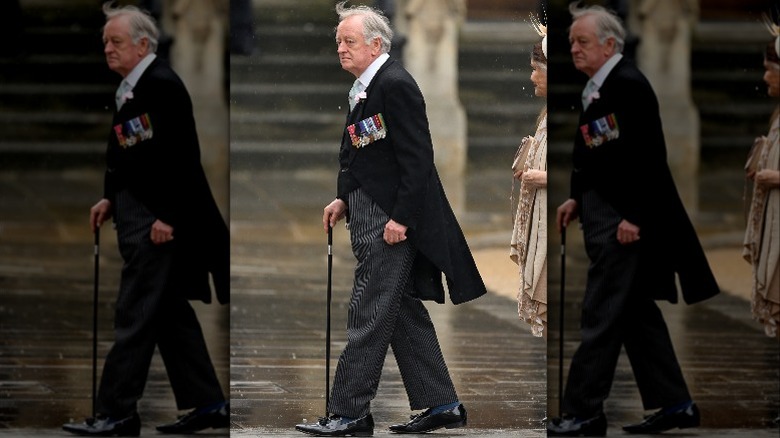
510,121
720,148
77,13
740,34
63,67
68,97
325,68
47,126
296,38
287,68
297,70
54,148
53,156
303,127
297,80
294,11
738,84
475,88
726,88
71,38
291,154
288,96
322,65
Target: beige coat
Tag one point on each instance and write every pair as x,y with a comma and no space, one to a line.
528,246
762,236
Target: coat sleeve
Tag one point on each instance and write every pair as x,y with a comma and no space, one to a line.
410,136
640,164
174,165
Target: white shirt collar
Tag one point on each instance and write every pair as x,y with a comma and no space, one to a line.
605,69
139,69
370,72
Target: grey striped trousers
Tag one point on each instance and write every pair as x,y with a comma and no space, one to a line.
615,315
150,313
382,312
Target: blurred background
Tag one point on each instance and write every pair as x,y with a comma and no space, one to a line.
705,62
56,104
284,102
288,105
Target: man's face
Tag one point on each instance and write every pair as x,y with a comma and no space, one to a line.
122,55
354,54
587,52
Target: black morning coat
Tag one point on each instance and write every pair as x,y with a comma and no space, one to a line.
399,174
631,173
153,152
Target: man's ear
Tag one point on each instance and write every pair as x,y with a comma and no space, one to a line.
143,47
609,45
376,46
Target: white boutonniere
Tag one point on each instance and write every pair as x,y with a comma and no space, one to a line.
127,96
593,96
360,96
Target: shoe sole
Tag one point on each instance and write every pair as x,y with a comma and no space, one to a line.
360,434
598,432
657,431
188,431
579,434
120,434
445,426
109,435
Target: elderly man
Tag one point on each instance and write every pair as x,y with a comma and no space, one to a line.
637,236
404,236
171,235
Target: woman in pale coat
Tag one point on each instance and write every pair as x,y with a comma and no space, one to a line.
762,237
529,238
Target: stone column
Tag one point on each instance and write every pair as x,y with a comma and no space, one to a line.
432,28
199,29
664,55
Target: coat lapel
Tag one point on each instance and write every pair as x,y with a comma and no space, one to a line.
358,113
605,88
130,106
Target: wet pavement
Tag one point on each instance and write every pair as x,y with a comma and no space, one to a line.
46,283
731,367
277,337
278,321
276,361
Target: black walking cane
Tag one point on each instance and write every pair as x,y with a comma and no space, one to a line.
327,330
95,321
560,321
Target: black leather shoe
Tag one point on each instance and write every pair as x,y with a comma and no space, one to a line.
216,418
333,426
660,421
573,426
106,426
426,422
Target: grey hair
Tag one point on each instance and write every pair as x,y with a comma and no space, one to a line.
608,25
142,25
375,24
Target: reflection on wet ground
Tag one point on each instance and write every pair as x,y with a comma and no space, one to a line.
731,367
279,258
277,316
46,293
